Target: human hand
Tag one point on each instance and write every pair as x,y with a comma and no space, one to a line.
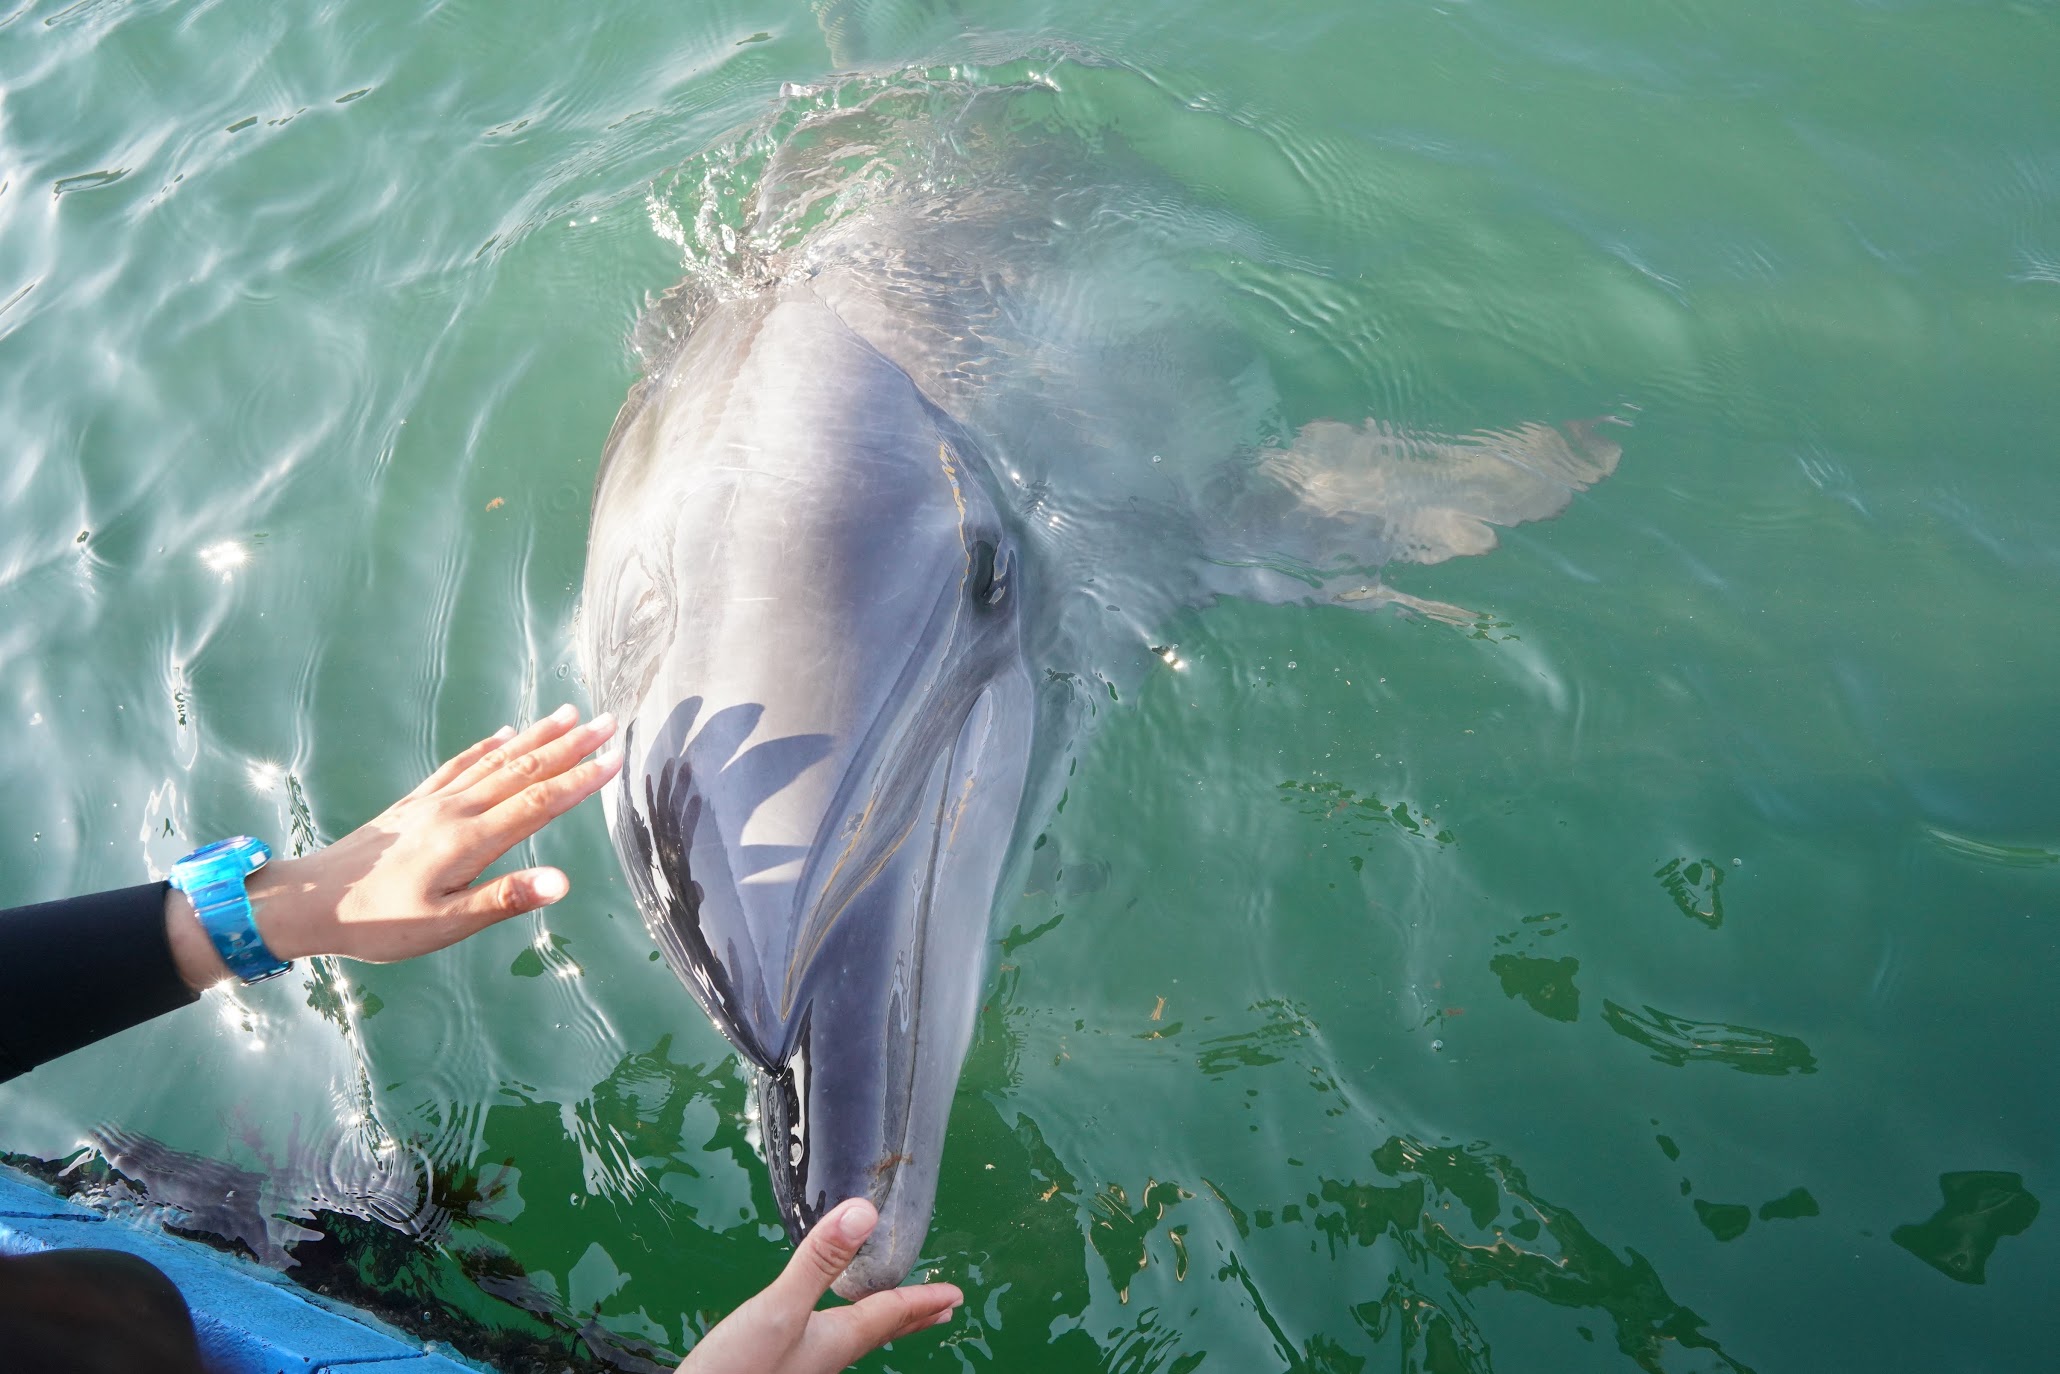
780,1332
401,884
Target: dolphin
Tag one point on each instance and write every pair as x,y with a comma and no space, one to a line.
918,466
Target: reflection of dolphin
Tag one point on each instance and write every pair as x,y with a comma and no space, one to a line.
916,472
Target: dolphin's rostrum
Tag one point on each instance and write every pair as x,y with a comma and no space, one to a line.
900,477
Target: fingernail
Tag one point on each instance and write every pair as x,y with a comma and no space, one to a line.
565,714
608,759
505,732
602,723
550,886
857,1219
944,1316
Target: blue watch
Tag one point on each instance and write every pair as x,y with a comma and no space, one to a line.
212,879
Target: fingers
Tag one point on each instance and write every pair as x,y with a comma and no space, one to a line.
543,752
458,763
874,1320
510,895
824,1253
537,805
538,733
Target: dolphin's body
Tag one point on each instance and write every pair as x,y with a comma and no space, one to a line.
891,494
804,604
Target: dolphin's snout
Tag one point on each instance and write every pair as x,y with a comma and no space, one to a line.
810,1186
892,1249
882,1262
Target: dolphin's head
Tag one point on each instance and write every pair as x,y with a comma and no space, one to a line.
802,599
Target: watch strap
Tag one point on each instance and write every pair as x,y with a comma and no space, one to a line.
213,879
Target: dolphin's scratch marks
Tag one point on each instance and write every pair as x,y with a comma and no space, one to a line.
890,1163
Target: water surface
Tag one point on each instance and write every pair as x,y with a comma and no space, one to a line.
1649,976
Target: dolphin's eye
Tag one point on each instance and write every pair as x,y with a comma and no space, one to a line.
989,582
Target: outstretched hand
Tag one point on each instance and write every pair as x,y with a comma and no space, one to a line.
780,1332
402,883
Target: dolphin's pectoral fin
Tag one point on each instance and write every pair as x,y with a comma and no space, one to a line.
1316,521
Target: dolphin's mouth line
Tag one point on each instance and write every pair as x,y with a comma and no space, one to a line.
873,837
907,748
789,1076
899,1102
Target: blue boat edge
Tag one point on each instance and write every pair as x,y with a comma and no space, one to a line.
249,1319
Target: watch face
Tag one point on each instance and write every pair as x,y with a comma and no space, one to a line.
253,853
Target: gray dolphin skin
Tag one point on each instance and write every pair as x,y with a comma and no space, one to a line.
920,464
812,623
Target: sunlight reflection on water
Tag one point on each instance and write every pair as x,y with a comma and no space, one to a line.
301,418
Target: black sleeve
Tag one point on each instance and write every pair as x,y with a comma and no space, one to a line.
74,971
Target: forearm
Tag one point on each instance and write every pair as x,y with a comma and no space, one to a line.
76,970
400,885
192,953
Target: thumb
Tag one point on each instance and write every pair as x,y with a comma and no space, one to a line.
872,1321
825,1252
511,895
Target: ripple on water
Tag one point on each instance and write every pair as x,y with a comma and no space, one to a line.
243,292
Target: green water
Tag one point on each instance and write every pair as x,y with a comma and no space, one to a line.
1655,976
